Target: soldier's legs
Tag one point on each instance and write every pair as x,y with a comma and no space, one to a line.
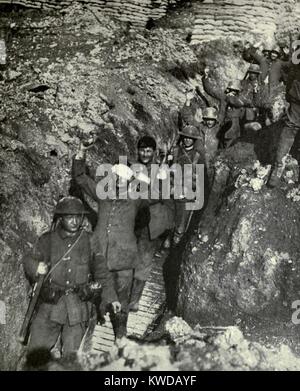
123,283
285,144
43,331
181,219
72,337
146,249
210,154
233,133
142,271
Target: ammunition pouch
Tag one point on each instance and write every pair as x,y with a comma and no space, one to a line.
88,293
51,294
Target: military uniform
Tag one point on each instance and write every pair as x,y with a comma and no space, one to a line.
234,109
61,309
115,234
271,71
196,155
271,78
291,126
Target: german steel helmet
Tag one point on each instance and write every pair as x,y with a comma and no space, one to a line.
234,85
190,132
254,68
70,206
210,113
276,49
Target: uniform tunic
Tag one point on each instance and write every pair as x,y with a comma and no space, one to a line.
115,235
114,231
233,108
75,270
272,71
292,121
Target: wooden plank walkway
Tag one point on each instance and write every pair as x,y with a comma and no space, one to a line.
151,305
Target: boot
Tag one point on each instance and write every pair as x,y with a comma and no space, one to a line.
276,175
165,247
119,323
136,293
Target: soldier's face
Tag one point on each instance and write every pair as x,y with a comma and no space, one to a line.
253,76
71,223
188,142
210,123
145,155
274,56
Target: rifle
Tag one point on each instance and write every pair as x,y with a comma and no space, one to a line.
24,332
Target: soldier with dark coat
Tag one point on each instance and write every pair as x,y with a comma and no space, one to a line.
158,217
291,127
115,233
233,103
271,66
210,128
273,70
251,86
189,150
70,260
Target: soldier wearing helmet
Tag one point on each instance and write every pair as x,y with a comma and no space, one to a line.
210,129
273,74
189,150
291,126
252,85
70,262
232,104
272,67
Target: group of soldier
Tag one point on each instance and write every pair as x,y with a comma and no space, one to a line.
118,254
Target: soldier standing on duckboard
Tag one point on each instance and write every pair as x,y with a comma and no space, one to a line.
115,234
69,260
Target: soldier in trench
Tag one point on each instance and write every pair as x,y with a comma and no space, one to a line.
151,222
189,150
291,126
233,103
69,259
115,234
251,86
273,70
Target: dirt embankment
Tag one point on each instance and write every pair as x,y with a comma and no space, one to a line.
76,72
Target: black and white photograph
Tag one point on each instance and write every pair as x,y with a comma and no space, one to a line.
149,188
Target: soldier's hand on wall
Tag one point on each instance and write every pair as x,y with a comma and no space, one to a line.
116,306
42,268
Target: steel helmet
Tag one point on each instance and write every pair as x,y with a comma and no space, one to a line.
70,206
276,49
254,68
234,85
190,132
210,113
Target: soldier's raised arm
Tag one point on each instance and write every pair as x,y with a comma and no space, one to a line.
210,88
79,173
